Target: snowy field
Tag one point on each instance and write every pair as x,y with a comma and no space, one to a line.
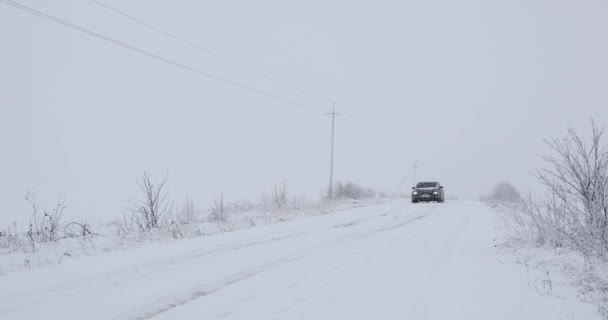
388,261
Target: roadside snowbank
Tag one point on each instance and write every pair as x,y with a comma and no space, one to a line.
109,237
551,267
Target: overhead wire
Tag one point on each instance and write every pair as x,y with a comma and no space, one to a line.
358,132
178,64
158,57
403,182
208,51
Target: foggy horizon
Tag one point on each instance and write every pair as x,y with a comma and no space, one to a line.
469,90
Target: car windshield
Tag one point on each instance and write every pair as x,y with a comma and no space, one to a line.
426,185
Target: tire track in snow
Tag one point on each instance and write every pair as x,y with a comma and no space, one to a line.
172,262
158,266
167,303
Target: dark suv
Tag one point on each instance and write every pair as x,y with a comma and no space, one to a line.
427,191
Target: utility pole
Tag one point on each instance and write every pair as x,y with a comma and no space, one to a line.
333,114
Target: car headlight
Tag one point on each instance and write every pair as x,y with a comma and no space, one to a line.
415,192
434,192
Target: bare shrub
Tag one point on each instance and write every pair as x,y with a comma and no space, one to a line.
280,195
77,229
575,213
51,222
43,226
351,190
31,198
527,221
10,239
217,211
152,209
188,213
176,230
6,241
243,205
577,179
130,224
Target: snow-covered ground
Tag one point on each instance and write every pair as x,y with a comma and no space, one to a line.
389,261
18,254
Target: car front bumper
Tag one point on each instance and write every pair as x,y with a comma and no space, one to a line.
426,197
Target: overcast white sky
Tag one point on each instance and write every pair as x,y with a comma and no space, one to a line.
467,88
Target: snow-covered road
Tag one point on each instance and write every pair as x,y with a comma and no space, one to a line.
390,261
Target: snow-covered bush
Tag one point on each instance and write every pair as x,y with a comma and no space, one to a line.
280,195
188,213
504,193
44,225
152,209
278,198
151,218
576,177
11,240
351,190
575,214
43,229
48,229
217,211
77,229
573,218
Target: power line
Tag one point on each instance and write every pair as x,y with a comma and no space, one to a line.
193,69
156,56
358,133
207,51
404,180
